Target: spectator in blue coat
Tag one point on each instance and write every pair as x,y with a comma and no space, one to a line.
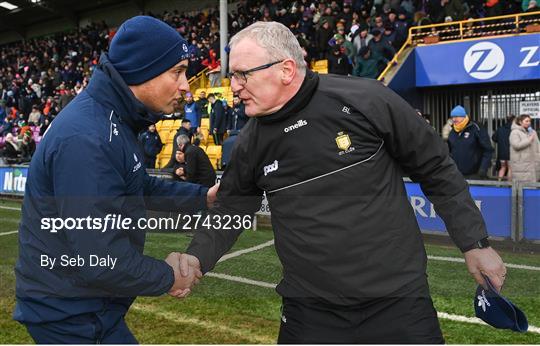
151,144
470,146
192,113
218,119
88,168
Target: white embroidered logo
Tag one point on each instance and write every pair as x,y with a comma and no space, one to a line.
271,168
138,164
346,110
482,301
298,124
113,128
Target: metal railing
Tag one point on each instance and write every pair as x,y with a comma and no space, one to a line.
200,80
474,29
520,210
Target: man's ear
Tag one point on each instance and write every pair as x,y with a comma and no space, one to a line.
288,71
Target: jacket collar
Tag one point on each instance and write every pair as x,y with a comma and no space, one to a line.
109,89
298,102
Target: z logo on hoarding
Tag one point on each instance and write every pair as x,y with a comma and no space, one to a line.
483,60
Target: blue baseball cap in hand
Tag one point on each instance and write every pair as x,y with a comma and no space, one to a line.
498,311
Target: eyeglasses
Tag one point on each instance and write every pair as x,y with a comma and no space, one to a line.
241,76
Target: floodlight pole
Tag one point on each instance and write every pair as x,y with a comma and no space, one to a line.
223,33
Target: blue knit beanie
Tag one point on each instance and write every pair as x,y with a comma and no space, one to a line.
458,111
144,48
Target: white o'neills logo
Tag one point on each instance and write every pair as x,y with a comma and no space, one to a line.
271,168
484,60
298,124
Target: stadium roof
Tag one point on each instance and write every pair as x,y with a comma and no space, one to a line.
16,15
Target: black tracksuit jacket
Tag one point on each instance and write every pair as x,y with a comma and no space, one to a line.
331,162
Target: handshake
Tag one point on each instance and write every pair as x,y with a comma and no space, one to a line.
187,272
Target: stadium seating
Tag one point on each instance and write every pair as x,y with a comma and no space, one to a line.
166,129
214,154
205,128
162,161
321,66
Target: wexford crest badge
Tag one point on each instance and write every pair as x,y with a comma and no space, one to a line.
343,141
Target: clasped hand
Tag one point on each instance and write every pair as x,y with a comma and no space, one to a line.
187,272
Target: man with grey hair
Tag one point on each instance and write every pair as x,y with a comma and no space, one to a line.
330,152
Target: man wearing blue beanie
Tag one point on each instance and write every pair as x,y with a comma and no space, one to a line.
469,145
76,285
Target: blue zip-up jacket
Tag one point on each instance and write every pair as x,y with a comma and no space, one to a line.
193,114
471,149
89,164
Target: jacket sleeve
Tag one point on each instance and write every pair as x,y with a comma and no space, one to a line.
97,191
423,155
239,196
168,195
487,149
517,142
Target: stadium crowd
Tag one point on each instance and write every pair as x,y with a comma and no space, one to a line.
39,77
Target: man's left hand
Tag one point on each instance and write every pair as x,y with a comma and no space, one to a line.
488,262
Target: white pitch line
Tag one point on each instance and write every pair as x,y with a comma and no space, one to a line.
442,315
435,258
245,251
8,233
461,260
241,280
10,208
